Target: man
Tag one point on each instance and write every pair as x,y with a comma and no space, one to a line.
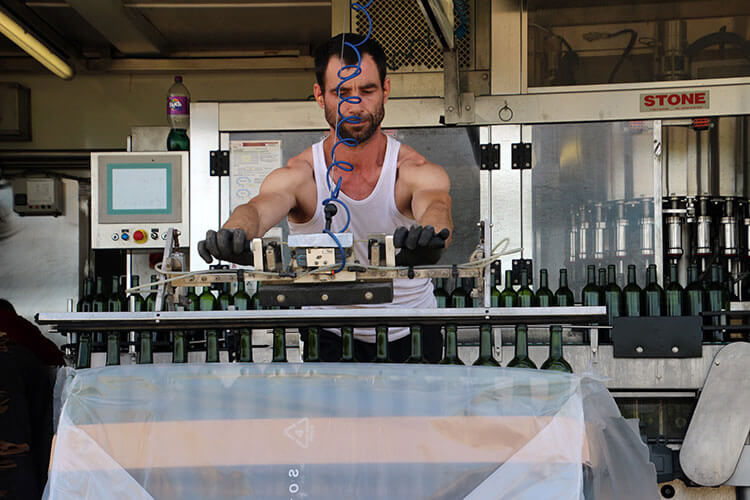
391,189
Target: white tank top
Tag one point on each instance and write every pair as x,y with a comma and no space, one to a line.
373,215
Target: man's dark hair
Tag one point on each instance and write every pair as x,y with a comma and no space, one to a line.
332,48
6,306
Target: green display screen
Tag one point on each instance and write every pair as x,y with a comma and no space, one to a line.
139,188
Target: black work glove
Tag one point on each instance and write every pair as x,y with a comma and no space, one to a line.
419,245
226,244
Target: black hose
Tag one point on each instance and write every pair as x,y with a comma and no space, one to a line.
625,53
718,38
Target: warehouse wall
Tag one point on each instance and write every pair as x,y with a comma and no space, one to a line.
96,111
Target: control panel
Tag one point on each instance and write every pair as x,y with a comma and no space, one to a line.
137,197
38,196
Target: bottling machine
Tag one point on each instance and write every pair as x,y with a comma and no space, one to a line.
577,151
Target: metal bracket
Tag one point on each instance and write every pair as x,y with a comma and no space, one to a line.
219,163
519,264
657,337
520,156
489,156
459,106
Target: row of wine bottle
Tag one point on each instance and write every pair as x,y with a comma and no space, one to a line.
243,351
631,300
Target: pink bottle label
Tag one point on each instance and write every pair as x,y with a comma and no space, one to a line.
178,105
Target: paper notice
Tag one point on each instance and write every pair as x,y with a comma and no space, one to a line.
249,163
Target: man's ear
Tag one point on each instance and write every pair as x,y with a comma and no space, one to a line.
386,89
318,93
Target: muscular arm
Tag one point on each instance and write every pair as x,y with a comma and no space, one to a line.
430,195
277,197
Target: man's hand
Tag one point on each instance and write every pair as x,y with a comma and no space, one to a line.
229,245
419,245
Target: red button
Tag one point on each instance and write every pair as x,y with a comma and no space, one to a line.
139,235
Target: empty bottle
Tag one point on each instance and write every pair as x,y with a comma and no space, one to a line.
313,345
146,356
451,347
416,345
486,346
193,301
178,116
521,358
179,348
116,301
653,294
84,351
631,295
139,303
556,361
495,290
695,296
113,349
718,299
207,301
508,297
347,345
524,294
224,300
674,294
563,294
461,295
591,295
544,296
381,345
85,302
441,294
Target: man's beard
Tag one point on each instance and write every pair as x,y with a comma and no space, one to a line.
347,131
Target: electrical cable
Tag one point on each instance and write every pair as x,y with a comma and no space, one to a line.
354,71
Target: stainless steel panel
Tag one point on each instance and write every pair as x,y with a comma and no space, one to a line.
721,420
741,475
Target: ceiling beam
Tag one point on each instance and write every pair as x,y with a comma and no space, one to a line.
126,29
201,64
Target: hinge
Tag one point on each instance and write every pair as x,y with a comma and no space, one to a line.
520,155
489,156
219,163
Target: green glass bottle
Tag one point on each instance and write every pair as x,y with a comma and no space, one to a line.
146,356
556,361
179,348
113,349
243,302
178,140
255,299
212,347
495,291
461,295
151,297
441,294
563,294
508,297
695,295
279,345
193,301
207,301
718,299
602,280
347,345
653,294
139,303
521,358
591,295
415,332
486,346
631,295
241,299
381,345
674,294
544,296
525,296
116,301
224,300
85,303
612,295
84,351
313,345
99,301
451,347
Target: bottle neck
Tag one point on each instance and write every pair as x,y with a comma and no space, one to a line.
631,275
416,342
347,344
115,284
651,275
381,343
240,286
451,343
715,273
692,274
563,278
611,276
135,280
508,280
673,274
313,347
279,345
555,343
524,278
485,342
591,275
602,278
543,280
522,342
99,286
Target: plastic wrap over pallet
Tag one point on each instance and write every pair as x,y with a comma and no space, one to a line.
327,431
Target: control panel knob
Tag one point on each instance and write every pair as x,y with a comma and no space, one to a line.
125,236
115,237
140,236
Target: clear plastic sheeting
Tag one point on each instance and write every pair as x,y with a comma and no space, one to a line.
324,431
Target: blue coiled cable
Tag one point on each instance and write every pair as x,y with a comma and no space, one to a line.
351,142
